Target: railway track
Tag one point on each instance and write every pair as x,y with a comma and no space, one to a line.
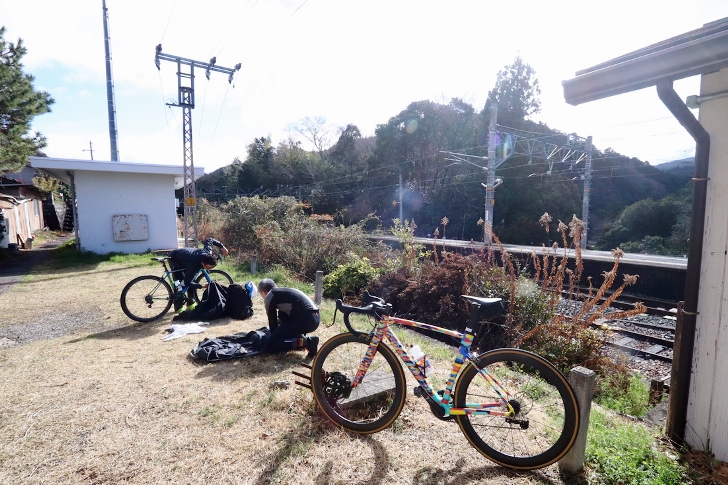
645,341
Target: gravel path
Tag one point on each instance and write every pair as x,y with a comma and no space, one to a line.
19,266
13,271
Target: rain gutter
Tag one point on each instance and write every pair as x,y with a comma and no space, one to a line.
685,330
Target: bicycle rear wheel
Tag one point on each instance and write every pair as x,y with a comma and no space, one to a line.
547,414
217,275
146,298
376,402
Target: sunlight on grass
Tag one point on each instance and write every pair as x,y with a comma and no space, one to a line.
623,452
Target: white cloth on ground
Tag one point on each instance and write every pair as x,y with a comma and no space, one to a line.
180,329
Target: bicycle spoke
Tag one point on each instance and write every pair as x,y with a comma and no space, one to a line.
545,420
146,298
375,402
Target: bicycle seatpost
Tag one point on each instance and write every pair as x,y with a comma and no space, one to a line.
474,318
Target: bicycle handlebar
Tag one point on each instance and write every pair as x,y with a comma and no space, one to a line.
376,308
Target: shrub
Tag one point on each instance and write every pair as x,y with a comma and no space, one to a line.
305,245
533,306
234,222
432,292
349,278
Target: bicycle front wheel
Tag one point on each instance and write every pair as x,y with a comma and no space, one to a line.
378,399
216,275
546,418
146,298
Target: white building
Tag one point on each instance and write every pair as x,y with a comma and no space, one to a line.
698,405
121,207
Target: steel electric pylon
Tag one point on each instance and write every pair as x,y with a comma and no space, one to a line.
186,101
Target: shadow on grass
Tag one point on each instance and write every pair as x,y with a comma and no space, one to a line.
131,332
258,364
298,440
460,474
138,330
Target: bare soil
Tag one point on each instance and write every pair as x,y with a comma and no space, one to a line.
89,396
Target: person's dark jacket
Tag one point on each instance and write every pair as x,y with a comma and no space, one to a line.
286,305
188,259
210,242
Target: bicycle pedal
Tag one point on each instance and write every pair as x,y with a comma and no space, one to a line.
419,392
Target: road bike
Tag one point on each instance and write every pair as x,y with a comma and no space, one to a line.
149,297
512,405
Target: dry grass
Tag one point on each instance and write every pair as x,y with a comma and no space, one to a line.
112,403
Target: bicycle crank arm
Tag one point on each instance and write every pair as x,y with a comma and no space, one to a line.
436,409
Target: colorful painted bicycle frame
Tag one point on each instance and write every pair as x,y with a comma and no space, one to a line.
382,329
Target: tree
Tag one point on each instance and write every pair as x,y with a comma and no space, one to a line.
19,104
344,152
516,91
256,170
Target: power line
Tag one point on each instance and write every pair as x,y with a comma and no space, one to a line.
168,19
242,16
275,31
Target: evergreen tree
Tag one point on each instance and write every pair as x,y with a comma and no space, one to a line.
19,104
256,171
516,91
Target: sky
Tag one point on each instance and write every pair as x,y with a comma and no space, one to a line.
347,61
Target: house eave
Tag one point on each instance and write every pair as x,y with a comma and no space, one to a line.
704,52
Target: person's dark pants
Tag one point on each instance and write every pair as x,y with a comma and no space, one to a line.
189,269
289,334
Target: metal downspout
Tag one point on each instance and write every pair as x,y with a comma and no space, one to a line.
685,329
75,210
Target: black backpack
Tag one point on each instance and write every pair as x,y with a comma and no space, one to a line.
238,305
212,306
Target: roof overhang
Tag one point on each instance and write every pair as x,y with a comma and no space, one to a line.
700,51
61,167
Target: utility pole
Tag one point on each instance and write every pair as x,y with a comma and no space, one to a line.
90,149
490,184
109,89
401,221
186,101
587,188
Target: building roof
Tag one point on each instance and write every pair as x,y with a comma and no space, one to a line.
699,51
24,177
59,167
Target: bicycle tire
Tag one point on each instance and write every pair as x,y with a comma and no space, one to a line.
216,275
379,398
542,397
146,298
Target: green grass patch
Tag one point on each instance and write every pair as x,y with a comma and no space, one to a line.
627,394
622,452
